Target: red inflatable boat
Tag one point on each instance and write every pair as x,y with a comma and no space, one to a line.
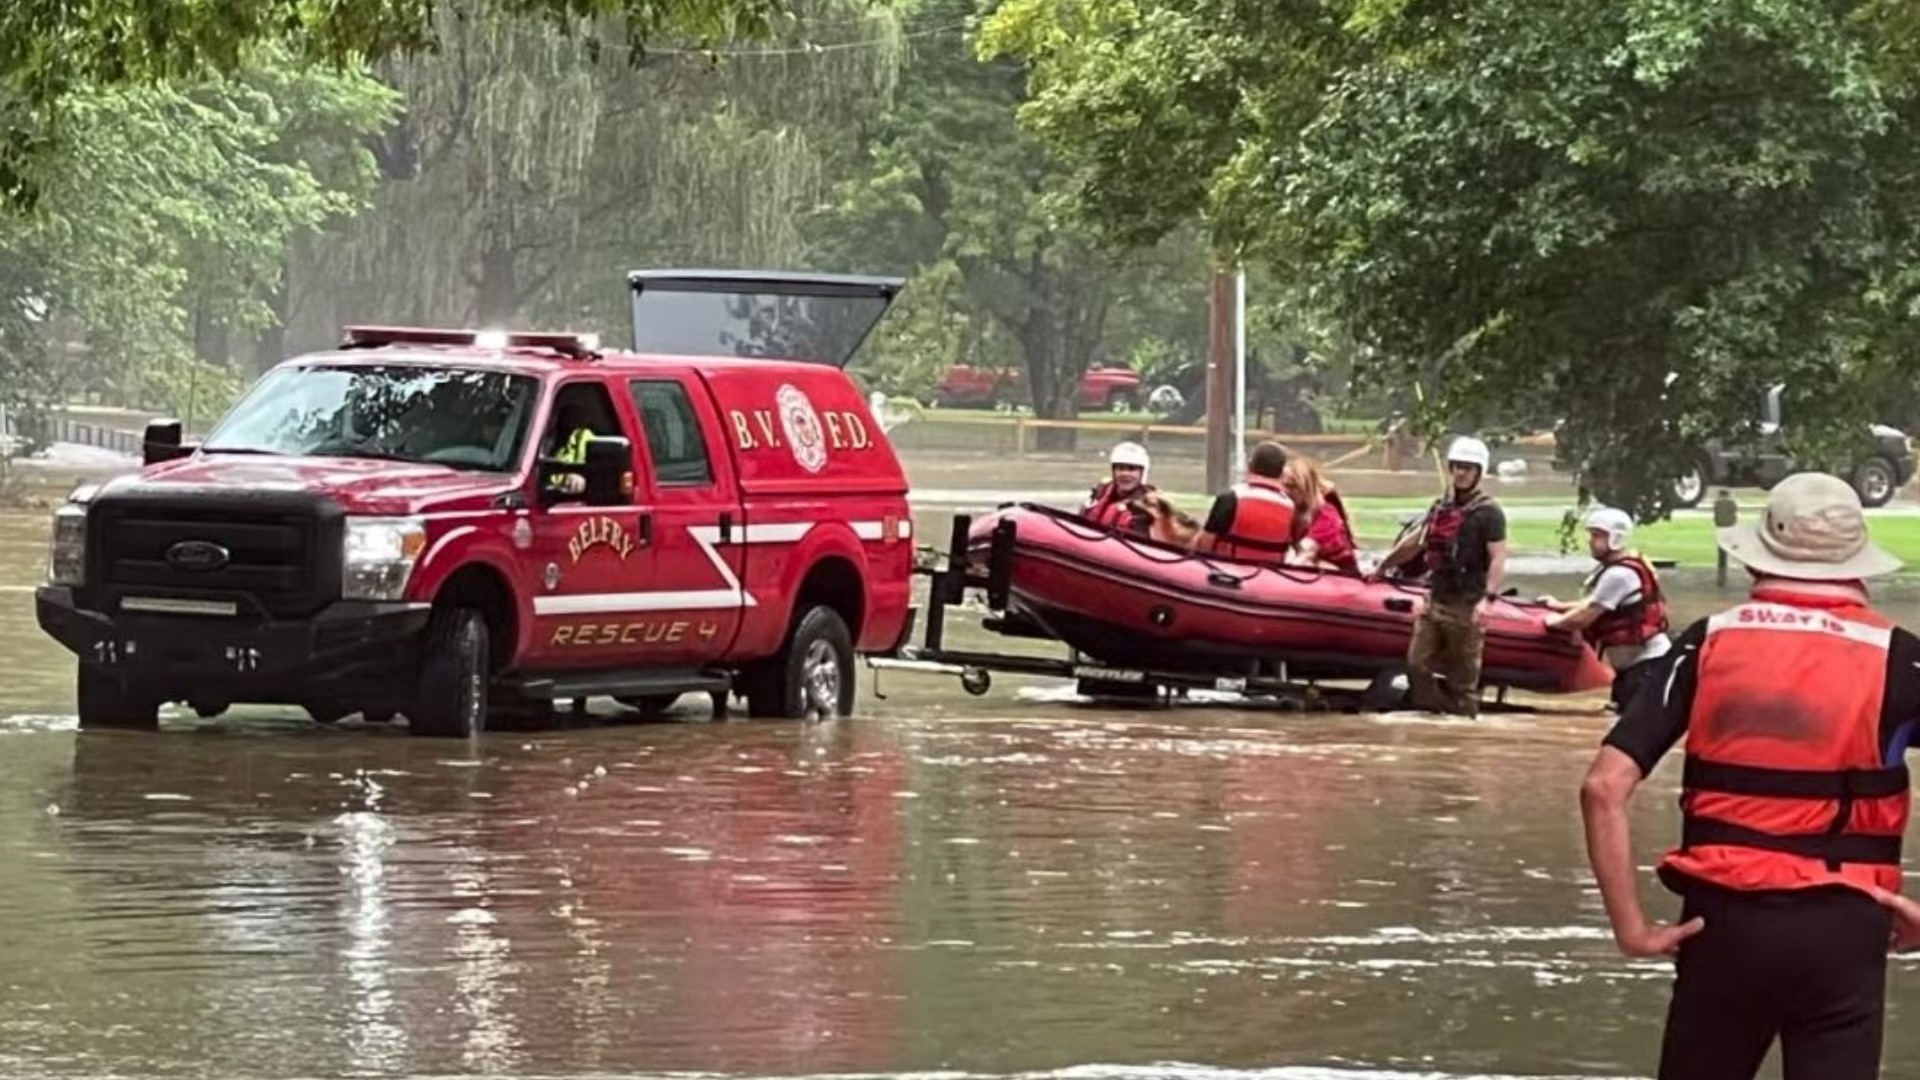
1133,602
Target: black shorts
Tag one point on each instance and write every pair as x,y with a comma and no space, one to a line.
1631,681
1806,966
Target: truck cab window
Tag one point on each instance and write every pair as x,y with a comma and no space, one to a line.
674,439
581,406
461,418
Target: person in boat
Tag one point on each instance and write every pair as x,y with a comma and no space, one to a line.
1624,613
1325,532
1463,541
1116,503
1797,710
1254,519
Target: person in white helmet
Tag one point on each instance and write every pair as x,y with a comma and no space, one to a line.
1624,613
1115,503
1463,545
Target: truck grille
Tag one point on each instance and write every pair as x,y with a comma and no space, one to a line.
282,561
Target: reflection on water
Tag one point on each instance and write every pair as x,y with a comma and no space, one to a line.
986,886
878,895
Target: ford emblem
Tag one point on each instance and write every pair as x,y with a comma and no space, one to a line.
198,556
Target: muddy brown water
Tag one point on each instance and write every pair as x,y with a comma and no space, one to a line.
1011,884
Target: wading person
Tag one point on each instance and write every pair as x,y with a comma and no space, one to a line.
1463,541
1624,614
1795,707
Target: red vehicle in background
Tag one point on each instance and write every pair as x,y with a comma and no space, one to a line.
965,386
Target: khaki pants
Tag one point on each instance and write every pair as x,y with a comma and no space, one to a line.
1446,642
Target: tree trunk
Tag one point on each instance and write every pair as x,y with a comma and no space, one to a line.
497,298
1050,378
272,346
210,336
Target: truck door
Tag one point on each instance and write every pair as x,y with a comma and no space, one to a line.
698,531
591,566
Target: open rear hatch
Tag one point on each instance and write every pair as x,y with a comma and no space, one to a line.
817,318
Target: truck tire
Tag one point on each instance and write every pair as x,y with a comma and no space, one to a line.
1690,487
106,702
1875,480
1121,401
813,675
451,700
1386,692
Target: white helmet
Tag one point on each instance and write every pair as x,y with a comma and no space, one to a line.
1129,453
1615,523
1469,451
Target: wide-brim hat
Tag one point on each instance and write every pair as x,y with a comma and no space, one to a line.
1814,529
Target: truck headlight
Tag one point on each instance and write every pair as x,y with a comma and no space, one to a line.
67,561
379,557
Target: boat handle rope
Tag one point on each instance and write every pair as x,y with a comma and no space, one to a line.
1298,574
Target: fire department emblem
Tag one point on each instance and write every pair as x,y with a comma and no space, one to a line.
802,426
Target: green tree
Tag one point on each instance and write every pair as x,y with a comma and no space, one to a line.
169,213
54,53
533,168
947,186
1625,218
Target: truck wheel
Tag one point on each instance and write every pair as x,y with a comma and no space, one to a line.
1690,487
812,676
1123,401
1386,692
1874,480
451,701
107,702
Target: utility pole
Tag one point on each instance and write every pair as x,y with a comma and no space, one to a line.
1220,380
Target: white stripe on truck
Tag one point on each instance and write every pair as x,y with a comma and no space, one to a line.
730,596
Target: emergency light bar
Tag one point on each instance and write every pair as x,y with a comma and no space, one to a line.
578,346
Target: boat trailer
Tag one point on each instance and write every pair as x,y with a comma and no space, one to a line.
951,574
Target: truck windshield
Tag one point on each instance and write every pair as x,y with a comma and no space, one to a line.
444,416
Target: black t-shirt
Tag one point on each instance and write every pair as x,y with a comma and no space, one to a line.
1485,524
1220,517
1656,719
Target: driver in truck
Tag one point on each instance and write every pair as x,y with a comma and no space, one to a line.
573,428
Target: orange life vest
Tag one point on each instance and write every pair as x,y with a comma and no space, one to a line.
1630,624
1443,531
1262,528
1107,506
1784,785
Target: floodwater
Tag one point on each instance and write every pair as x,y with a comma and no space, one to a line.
1006,885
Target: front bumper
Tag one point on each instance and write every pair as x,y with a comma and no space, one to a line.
241,658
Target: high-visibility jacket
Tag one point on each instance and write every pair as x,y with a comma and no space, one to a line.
1262,526
1634,623
1784,784
1108,506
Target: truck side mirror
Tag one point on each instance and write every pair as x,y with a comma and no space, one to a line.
609,471
162,442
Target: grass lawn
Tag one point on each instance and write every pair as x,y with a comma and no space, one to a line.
1334,425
